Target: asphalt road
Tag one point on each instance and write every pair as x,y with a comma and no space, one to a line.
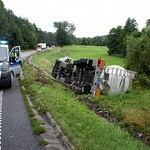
16,131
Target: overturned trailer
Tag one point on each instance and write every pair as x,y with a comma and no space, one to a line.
85,76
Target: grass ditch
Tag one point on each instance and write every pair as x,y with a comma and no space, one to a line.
74,116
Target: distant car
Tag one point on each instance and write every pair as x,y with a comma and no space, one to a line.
52,46
38,49
47,47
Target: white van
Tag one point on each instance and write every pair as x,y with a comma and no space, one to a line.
10,63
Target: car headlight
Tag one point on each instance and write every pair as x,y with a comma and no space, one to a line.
5,66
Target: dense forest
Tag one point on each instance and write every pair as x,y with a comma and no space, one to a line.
19,31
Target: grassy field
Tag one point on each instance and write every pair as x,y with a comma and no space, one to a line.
86,129
77,52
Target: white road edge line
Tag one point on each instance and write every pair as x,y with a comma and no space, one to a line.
1,98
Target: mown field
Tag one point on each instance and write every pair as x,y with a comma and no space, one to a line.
125,116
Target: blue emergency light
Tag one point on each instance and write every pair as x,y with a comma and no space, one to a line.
3,42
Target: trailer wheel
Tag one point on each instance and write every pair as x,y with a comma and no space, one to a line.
78,90
83,62
73,87
86,89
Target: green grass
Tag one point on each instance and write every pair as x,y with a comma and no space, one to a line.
37,128
83,127
43,142
77,52
28,107
47,59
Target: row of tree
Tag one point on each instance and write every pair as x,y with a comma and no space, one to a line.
64,36
134,46
116,39
19,31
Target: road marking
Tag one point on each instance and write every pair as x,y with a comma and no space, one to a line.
1,97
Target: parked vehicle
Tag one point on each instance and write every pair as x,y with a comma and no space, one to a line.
10,63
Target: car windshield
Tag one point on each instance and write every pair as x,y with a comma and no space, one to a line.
3,54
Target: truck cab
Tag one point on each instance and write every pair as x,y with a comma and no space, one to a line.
10,64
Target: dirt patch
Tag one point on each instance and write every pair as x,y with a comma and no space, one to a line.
136,133
42,80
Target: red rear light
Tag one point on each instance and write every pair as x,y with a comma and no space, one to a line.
99,62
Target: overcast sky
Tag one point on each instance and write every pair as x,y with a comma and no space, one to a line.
90,17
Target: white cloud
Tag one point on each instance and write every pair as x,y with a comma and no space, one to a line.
91,18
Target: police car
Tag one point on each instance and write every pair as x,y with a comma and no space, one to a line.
10,63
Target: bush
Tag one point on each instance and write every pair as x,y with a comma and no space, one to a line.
138,54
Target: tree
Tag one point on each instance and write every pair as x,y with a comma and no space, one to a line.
16,35
84,41
114,39
129,28
61,37
3,21
64,33
138,54
148,23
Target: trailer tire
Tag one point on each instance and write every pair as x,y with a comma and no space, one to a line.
86,89
73,87
83,62
78,90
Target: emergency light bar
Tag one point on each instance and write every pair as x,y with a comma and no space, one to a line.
3,42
